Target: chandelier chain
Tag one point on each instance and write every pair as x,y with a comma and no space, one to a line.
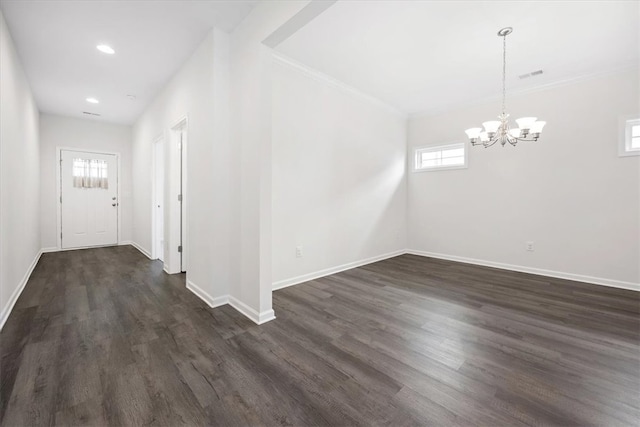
504,73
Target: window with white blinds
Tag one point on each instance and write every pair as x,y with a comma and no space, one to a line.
450,156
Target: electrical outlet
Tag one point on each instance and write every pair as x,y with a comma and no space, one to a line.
299,252
529,246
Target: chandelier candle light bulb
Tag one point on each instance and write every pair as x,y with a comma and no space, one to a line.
528,129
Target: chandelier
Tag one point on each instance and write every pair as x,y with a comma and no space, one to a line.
528,129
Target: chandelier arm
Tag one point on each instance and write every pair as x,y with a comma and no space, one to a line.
490,142
520,139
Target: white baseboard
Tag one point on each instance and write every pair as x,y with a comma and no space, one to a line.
539,271
333,270
204,296
257,318
6,310
121,243
138,247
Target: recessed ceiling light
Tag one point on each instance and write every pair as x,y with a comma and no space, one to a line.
92,100
105,49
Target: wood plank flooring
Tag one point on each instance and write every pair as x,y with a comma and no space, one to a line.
105,337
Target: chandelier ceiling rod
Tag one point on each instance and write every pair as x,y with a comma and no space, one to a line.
504,33
499,131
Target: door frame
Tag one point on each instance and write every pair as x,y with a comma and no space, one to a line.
180,126
160,139
59,190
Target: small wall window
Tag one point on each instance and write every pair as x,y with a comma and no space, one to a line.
630,137
449,156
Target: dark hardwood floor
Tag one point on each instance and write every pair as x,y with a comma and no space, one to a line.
104,336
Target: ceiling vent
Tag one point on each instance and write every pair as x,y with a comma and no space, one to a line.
90,114
531,74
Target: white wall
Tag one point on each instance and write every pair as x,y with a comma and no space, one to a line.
569,192
19,176
196,91
251,134
339,187
90,135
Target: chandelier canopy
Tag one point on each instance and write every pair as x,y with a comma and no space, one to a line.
528,128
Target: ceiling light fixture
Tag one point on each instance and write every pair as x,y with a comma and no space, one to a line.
93,100
498,130
105,49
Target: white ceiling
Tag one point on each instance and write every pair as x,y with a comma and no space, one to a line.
429,56
56,41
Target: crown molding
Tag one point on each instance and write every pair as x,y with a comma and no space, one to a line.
324,78
568,81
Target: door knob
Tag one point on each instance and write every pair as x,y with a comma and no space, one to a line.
113,198
113,204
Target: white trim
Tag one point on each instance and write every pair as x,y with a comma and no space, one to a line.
281,284
625,123
439,147
59,192
140,248
204,296
177,223
184,190
257,318
54,249
324,78
539,271
6,310
436,111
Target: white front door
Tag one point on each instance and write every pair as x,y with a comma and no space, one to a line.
89,203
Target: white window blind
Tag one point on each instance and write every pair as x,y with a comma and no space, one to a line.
450,156
90,173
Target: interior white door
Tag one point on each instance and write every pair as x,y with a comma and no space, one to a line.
183,200
89,199
158,205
